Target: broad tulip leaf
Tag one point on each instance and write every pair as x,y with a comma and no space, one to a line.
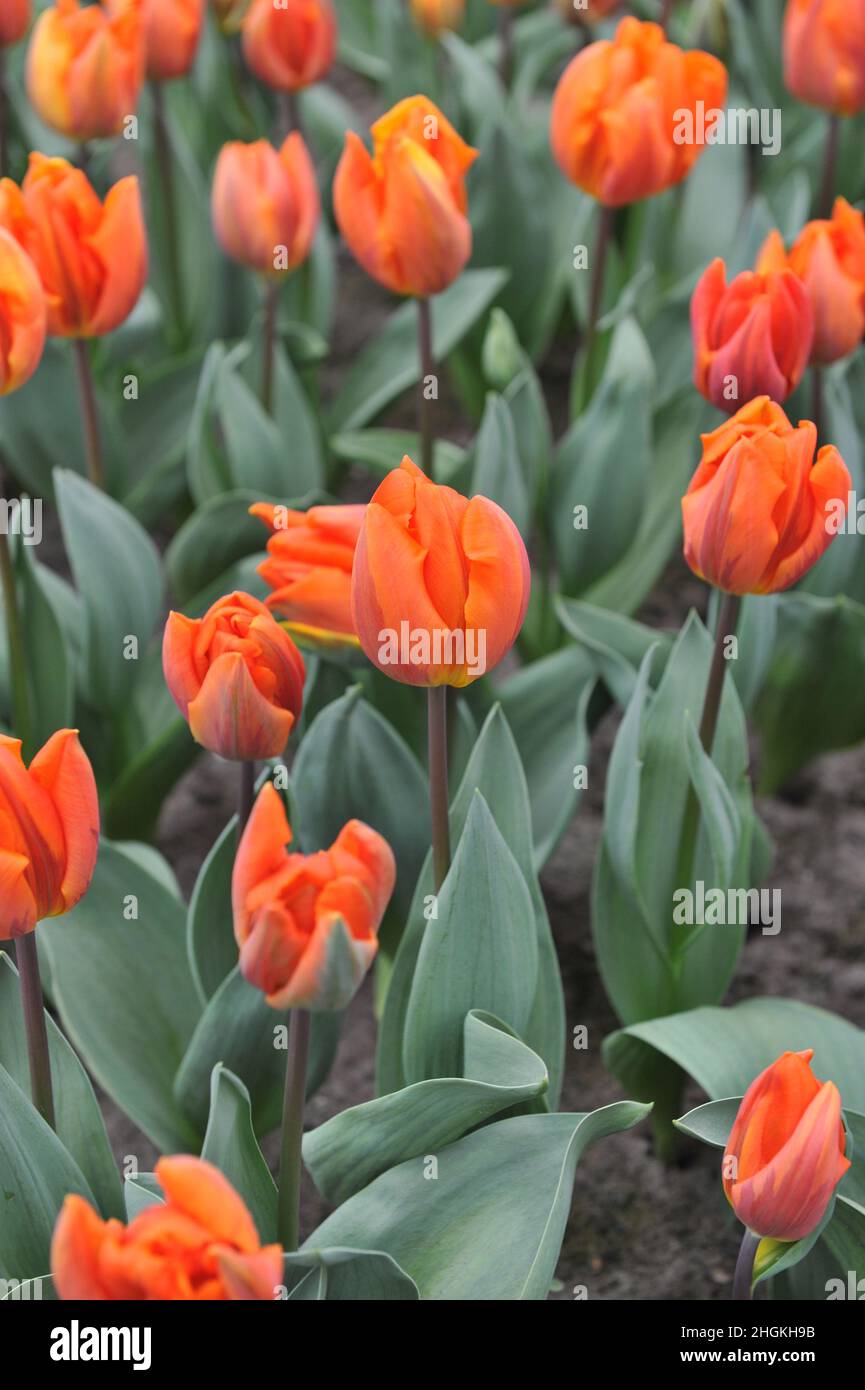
141,1192
340,1276
381,450
230,1144
41,440
50,676
216,535
490,1225
498,468
209,922
616,643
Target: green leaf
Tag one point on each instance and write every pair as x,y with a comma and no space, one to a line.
230,1144
216,535
498,469
340,1276
381,450
141,1192
30,1290
50,680
209,922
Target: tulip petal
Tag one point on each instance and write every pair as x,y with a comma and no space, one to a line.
200,1192
64,770
75,1248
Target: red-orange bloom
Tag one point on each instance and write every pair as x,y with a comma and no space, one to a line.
306,924
309,561
625,114
824,54
49,831
752,337
22,315
402,209
199,1245
291,45
236,677
14,21
756,513
172,32
829,257
440,584
91,256
85,66
785,1154
435,16
265,204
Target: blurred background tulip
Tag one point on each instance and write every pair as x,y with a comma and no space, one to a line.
434,17
824,54
86,65
23,315
14,20
828,256
757,511
198,1244
309,562
291,45
752,337
172,30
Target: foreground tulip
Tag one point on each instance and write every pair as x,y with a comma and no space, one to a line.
757,510
621,111
172,33
829,258
752,337
291,45
309,562
236,677
785,1154
434,17
266,205
22,315
14,21
85,66
200,1244
824,54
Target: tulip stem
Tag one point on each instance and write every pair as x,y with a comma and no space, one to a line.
438,782
245,794
830,165
744,1275
34,1026
817,399
728,614
596,299
506,46
165,164
427,371
89,414
268,346
288,1214
289,116
15,638
665,15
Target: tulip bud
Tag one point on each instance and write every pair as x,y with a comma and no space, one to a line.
752,337
502,355
309,561
50,820
756,511
235,676
785,1154
621,113
199,1244
85,66
403,209
172,32
291,45
306,925
436,16
265,204
91,257
824,54
829,258
22,315
14,21
440,584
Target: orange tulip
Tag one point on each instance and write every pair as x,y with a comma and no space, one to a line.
22,315
14,21
435,16
85,66
617,113
824,54
265,204
306,924
440,584
235,676
291,45
200,1245
785,1154
172,32
829,258
91,257
403,209
309,559
756,511
49,827
752,337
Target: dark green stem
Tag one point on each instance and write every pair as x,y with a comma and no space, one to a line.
34,1026
817,400
288,118
596,300
15,638
89,413
288,1215
665,15
438,782
245,794
268,345
427,371
744,1275
165,164
506,46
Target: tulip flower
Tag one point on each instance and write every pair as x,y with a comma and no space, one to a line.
172,32
266,205
309,562
824,54
752,337
784,1158
756,511
199,1245
291,45
14,21
434,17
22,315
829,258
85,66
236,677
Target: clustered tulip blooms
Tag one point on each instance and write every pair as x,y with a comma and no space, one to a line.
756,511
309,563
266,206
306,924
824,54
172,33
291,45
828,256
15,18
22,315
86,65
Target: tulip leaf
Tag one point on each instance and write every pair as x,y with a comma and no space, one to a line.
28,1290
340,1276
230,1144
125,992
381,450
490,1225
141,1192
498,468
216,535
500,1072
37,439
79,1122
209,923
49,671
